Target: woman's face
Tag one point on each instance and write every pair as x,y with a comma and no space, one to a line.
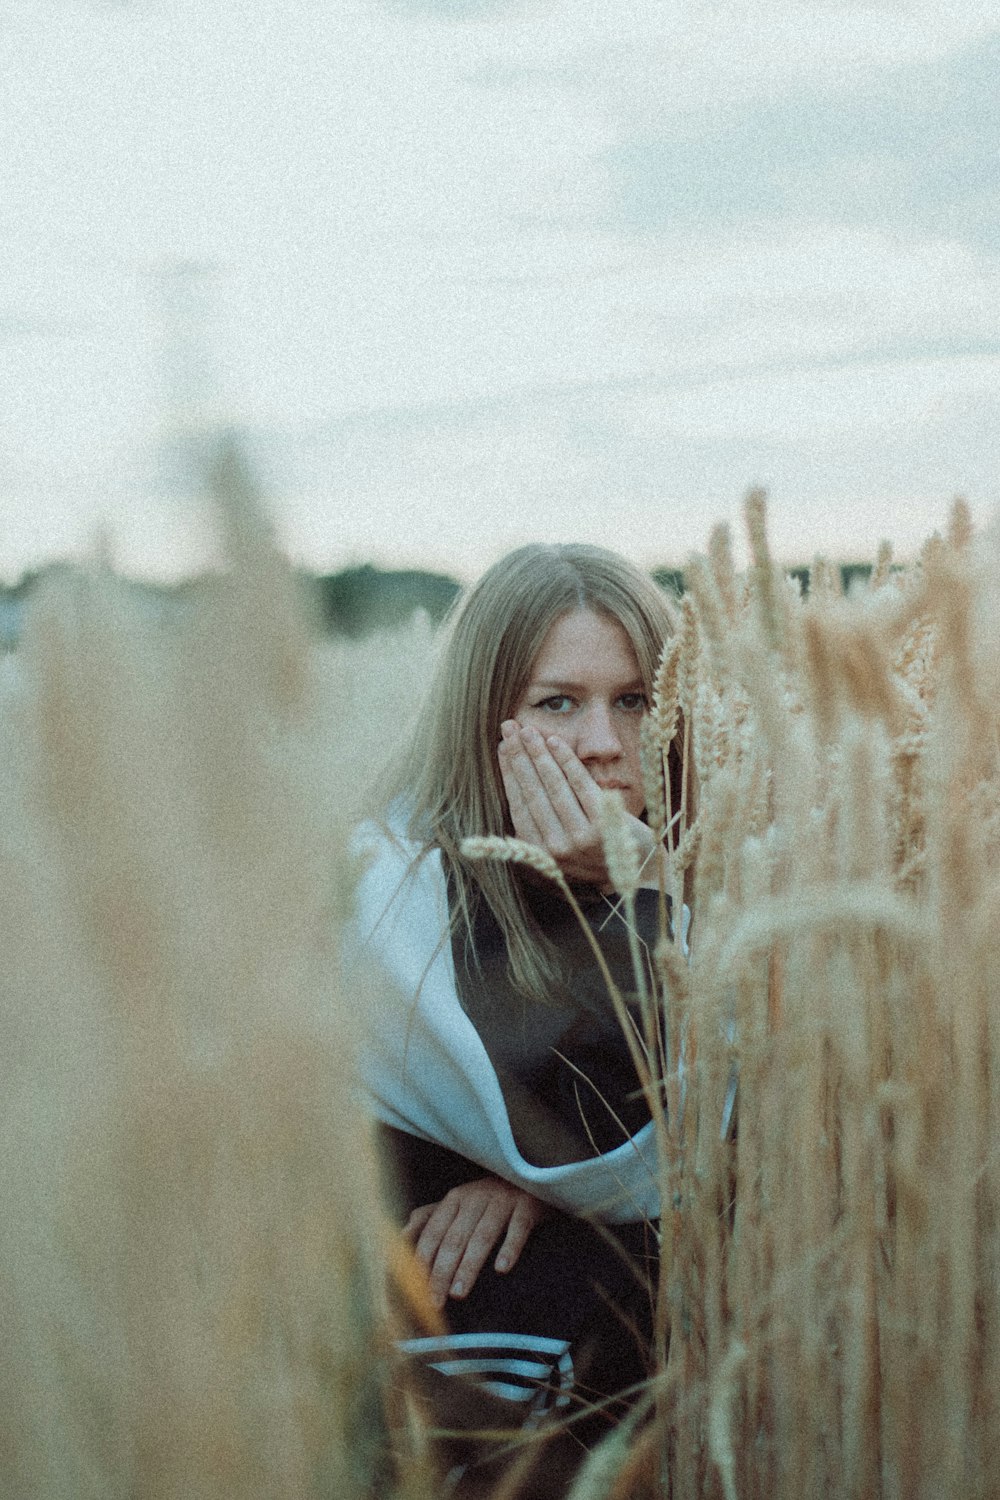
586,687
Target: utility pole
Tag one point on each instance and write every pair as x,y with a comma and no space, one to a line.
190,391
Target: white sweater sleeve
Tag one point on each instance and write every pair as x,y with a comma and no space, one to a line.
423,1066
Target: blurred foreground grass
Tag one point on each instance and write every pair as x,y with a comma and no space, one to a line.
192,1254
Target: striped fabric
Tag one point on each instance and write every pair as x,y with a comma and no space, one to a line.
533,1372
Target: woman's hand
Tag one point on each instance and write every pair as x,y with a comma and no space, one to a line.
555,802
454,1238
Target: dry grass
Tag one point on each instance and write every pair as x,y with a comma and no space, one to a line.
192,1256
830,1269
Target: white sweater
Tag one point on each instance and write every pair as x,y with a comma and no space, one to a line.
423,1065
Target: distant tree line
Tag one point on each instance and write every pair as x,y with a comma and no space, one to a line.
850,575
356,601
360,600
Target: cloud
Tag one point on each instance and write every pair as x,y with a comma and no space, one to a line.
913,147
452,10
510,266
849,453
655,60
630,393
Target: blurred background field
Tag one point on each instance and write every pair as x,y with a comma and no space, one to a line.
358,601
193,1263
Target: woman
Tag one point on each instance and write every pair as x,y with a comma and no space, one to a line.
508,1099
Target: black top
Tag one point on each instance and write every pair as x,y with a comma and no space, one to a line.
564,1067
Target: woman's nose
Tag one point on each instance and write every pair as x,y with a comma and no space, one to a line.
598,738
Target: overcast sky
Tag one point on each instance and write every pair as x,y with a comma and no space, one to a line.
473,271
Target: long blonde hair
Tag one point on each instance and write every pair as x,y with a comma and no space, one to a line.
447,784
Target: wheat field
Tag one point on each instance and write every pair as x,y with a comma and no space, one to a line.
194,1260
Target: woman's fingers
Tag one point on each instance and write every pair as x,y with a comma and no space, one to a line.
559,814
434,1222
456,1236
559,790
539,794
444,1240
583,856
555,802
415,1223
589,795
478,1248
585,788
521,816
522,1221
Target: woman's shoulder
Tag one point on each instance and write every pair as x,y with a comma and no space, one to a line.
396,874
389,840
382,836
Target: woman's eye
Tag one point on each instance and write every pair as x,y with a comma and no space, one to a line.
559,704
633,703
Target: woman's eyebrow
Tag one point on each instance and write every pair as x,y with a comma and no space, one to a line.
565,685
